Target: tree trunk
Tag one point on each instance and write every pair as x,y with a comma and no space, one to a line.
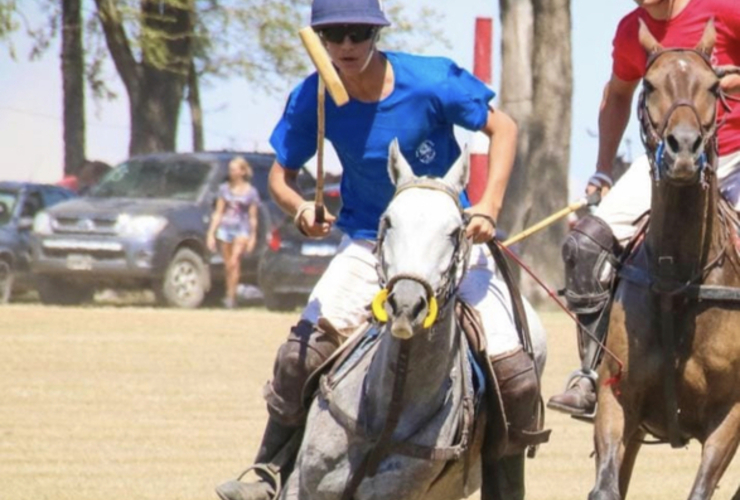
549,140
73,84
516,100
196,111
155,111
156,85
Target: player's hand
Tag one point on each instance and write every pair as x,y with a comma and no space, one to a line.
599,181
305,221
482,226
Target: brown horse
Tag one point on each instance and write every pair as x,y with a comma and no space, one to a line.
675,368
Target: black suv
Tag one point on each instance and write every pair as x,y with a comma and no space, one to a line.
144,225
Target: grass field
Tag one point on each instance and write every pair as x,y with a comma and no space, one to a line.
142,403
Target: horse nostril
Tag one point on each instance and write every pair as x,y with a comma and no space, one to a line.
673,143
418,308
697,144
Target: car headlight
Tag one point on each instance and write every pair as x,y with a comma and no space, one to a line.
42,223
140,225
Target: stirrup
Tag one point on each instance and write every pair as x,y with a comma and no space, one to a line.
270,475
592,377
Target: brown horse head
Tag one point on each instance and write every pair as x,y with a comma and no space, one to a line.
678,105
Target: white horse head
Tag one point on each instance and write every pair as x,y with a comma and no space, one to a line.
421,242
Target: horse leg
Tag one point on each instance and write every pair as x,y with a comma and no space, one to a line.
628,461
615,437
717,452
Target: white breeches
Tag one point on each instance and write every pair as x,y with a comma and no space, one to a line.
630,196
349,284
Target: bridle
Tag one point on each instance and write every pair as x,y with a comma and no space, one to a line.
451,277
653,136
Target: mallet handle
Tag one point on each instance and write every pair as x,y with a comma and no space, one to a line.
320,153
592,199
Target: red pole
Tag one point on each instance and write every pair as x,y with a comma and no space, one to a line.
482,68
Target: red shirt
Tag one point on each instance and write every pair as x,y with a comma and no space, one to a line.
70,182
684,31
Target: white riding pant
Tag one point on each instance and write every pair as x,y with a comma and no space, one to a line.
350,283
630,196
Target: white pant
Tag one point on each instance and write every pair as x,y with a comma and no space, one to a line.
350,283
630,196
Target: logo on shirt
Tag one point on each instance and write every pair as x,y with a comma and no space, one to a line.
426,153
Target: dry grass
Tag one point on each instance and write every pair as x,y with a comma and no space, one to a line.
143,403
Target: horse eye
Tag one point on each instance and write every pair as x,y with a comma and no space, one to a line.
714,89
649,87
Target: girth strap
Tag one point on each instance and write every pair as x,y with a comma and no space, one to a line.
641,277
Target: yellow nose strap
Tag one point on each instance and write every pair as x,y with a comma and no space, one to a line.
382,316
378,302
432,316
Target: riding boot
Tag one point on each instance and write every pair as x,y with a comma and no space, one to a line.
520,394
273,463
579,397
591,258
306,348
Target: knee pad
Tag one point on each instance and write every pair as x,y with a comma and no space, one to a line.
590,256
305,350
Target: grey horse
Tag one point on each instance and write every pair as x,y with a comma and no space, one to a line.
432,450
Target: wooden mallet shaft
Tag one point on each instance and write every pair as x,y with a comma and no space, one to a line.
592,199
328,80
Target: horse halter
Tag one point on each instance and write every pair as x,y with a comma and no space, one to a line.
451,277
653,137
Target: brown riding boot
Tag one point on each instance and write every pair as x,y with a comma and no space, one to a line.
520,393
272,464
578,399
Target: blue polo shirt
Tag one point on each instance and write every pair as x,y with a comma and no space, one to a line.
430,96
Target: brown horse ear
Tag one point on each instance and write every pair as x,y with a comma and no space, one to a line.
706,44
647,40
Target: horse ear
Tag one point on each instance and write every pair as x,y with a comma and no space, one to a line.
647,40
706,44
459,173
399,169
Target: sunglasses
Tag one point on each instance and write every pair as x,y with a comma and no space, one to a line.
357,33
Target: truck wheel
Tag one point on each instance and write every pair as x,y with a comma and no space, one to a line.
6,281
56,291
185,282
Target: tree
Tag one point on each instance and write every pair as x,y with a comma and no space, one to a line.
165,50
542,107
155,81
73,82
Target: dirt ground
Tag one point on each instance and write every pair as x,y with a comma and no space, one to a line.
143,403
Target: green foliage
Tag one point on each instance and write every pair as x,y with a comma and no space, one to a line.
255,40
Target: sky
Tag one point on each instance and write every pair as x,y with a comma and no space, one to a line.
235,117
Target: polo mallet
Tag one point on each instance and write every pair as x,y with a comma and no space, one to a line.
328,80
590,200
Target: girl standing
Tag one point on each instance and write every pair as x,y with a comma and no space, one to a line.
234,223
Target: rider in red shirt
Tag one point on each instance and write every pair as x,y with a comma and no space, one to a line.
590,250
